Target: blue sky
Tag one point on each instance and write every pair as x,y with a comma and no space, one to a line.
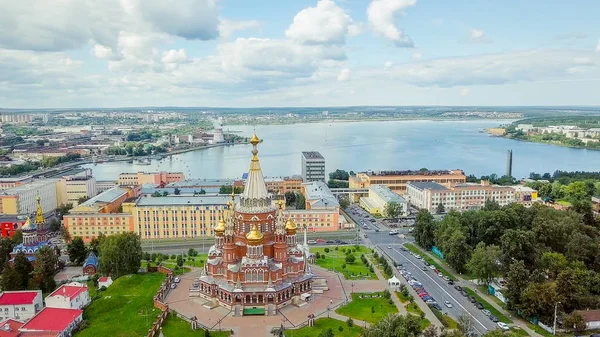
236,53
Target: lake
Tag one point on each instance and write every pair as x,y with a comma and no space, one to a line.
359,146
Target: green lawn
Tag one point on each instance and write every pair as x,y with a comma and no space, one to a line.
446,320
91,289
324,324
429,260
488,306
176,270
518,331
335,259
414,309
177,327
371,310
121,310
401,297
539,330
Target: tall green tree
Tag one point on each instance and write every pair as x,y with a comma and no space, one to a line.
6,246
96,242
393,209
11,280
424,231
290,198
440,209
46,263
23,268
485,262
120,254
17,237
517,280
300,201
77,251
344,202
457,251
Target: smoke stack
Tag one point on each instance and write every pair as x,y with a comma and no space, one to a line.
509,162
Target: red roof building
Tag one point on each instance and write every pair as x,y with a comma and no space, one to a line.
69,296
52,322
10,328
20,305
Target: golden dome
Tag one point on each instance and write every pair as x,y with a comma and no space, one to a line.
254,140
220,228
290,226
254,237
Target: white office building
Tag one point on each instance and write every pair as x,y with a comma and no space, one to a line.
313,166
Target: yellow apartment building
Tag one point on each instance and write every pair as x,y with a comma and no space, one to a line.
397,180
155,178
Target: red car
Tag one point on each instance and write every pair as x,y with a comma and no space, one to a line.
423,294
320,241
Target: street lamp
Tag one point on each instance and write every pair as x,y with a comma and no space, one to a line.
555,314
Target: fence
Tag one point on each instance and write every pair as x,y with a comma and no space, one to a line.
159,303
158,323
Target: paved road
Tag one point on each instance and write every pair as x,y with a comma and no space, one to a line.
437,287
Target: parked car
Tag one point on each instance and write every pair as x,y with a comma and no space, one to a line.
173,285
478,305
425,269
320,241
331,241
432,267
177,280
464,293
486,312
472,299
312,242
447,304
504,326
450,282
436,306
494,318
457,287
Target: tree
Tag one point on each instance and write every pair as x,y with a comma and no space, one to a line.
424,231
65,234
393,209
6,246
120,254
46,262
485,262
440,209
395,326
465,325
54,225
517,280
165,193
339,175
350,258
538,300
64,209
192,252
300,201
575,322
11,280
96,242
17,237
82,199
23,268
290,198
179,261
553,263
177,191
344,202
457,251
77,251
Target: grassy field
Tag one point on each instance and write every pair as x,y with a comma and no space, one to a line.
539,330
175,326
488,306
401,297
324,324
429,260
125,309
414,309
518,331
446,320
335,259
371,310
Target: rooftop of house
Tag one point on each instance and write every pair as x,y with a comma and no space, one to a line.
312,155
92,260
10,328
590,315
105,197
18,297
70,291
413,173
428,186
386,194
172,200
34,185
318,194
52,319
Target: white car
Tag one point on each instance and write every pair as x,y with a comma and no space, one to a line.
389,247
432,267
448,304
503,326
177,280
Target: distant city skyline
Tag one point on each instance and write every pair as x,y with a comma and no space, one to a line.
211,53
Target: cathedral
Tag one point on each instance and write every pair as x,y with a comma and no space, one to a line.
256,262
35,236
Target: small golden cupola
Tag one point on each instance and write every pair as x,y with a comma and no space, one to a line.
220,228
290,226
254,140
254,237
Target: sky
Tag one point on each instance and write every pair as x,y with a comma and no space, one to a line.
260,53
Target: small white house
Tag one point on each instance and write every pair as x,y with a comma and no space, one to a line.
591,318
104,281
69,296
393,282
20,305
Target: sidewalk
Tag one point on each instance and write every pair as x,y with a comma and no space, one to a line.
467,283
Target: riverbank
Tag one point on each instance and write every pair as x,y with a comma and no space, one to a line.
370,119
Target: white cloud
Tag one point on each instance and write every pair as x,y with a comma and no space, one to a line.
103,52
382,17
174,56
43,25
464,91
478,36
388,65
417,55
228,27
344,75
327,23
598,47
